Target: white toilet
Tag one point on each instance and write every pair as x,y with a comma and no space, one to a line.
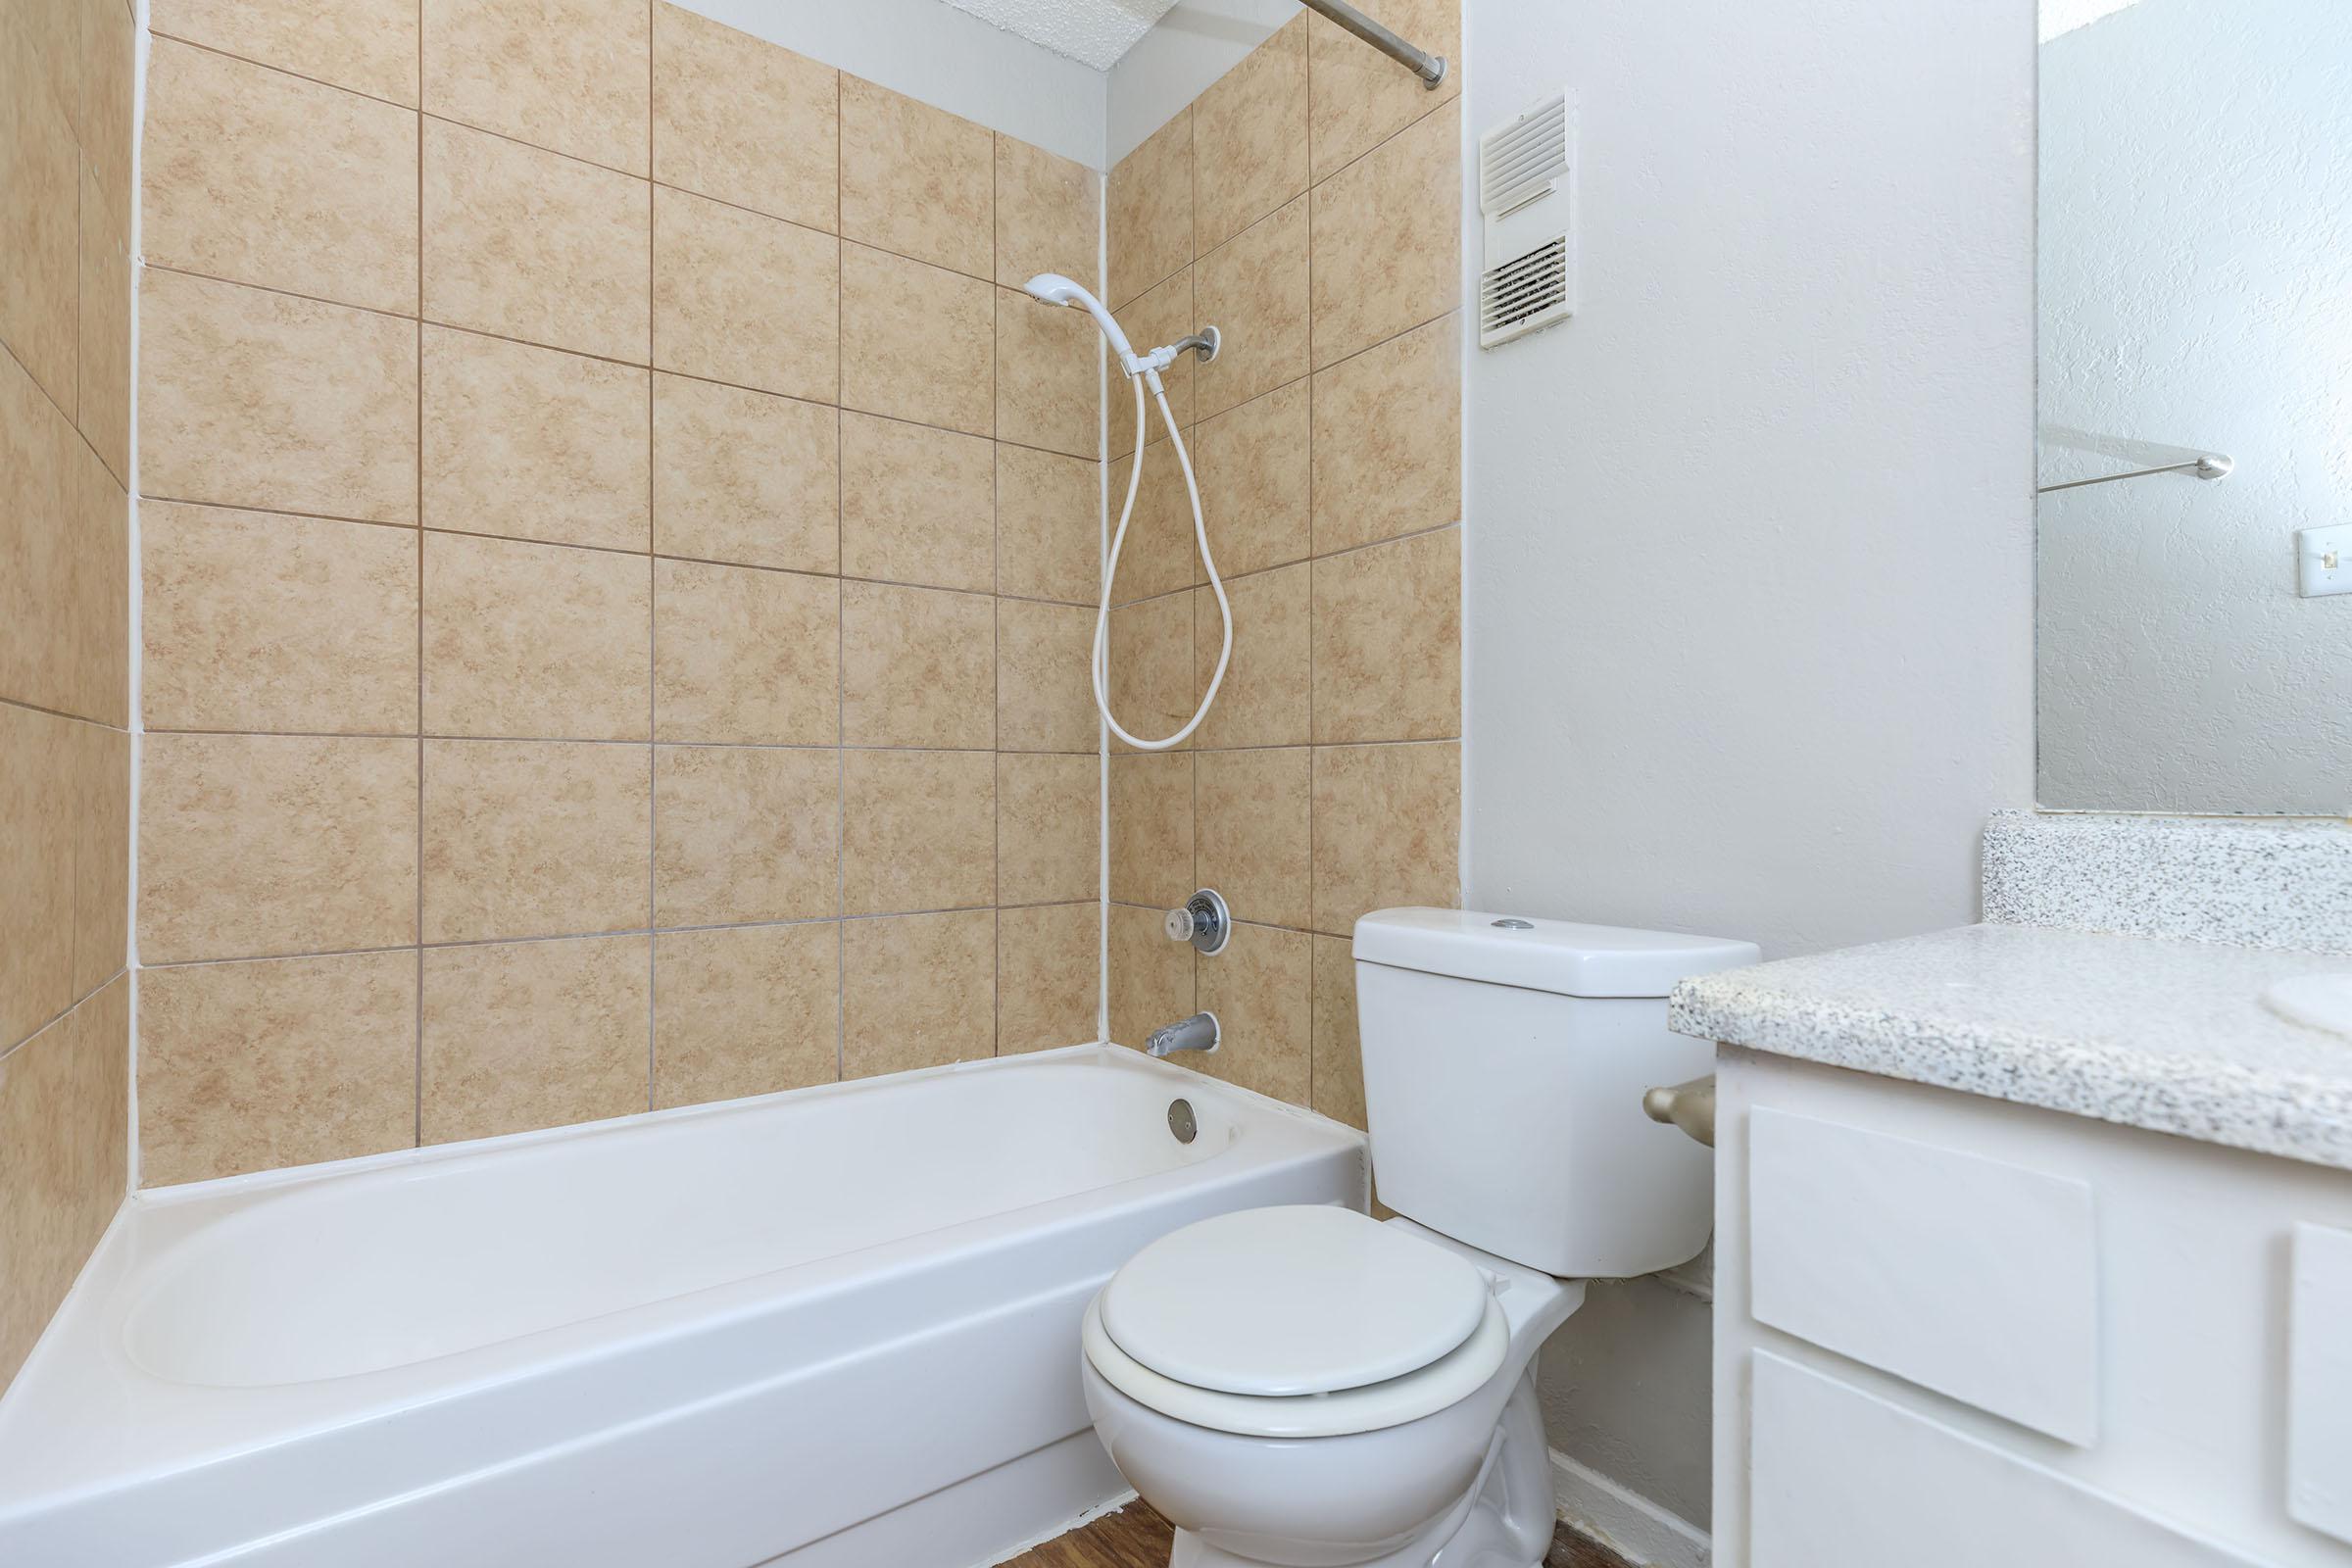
1313,1388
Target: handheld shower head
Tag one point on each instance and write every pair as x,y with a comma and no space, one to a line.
1052,288
1055,290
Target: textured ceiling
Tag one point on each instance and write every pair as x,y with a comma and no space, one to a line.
2065,16
1095,31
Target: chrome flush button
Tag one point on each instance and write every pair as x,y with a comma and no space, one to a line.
1515,925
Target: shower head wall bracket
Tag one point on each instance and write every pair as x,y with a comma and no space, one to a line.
1204,343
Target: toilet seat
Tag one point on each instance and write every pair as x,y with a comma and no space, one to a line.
1301,1322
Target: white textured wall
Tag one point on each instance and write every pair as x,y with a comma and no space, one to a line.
928,49
1627,1393
1750,571
2196,289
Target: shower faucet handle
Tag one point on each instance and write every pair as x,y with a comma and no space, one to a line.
1203,921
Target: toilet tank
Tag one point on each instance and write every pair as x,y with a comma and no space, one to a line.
1505,1064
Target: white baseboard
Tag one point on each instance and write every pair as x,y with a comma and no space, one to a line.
1632,1527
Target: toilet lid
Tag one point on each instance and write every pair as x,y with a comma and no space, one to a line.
1440,1386
1291,1301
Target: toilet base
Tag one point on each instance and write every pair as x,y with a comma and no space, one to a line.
1504,1520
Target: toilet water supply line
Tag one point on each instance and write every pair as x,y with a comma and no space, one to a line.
1055,290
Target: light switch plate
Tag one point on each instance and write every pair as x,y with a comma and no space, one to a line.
2324,560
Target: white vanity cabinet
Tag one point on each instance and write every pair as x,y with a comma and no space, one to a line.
1955,1332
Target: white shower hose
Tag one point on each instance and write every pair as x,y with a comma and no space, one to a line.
1110,572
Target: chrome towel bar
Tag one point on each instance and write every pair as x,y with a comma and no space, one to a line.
2211,465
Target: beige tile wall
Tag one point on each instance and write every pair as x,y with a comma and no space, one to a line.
67,78
618,553
1309,204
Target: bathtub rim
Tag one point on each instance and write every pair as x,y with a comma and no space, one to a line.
1124,1056
87,1327
201,1212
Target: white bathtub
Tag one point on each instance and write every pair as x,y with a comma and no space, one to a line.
837,1327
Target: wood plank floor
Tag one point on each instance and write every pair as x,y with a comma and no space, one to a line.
1136,1536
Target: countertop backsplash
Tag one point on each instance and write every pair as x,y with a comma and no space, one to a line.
2254,884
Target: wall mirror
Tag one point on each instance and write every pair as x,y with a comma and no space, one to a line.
2193,613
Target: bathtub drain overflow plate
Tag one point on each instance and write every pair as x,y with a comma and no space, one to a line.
1181,1121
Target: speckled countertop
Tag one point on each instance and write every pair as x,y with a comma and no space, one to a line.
2166,1035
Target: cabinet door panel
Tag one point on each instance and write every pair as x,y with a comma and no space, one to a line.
2319,1449
1973,1277
1844,1479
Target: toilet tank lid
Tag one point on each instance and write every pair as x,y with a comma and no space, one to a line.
1563,956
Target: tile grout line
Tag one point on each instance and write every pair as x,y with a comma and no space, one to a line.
1311,185
84,1001
461,944
601,359
63,714
841,655
653,609
1314,372
996,425
73,421
423,113
601,550
1191,609
1192,606
1312,182
316,81
419,1129
80,157
579,740
1263,925
1468,269
142,45
1102,972
1311,373
1287,566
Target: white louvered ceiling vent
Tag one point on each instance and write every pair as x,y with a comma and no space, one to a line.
1526,192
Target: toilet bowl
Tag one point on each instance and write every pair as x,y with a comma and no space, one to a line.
1311,1387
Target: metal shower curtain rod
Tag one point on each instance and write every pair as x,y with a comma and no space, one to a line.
1431,69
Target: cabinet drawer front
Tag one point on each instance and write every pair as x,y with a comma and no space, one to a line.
1844,1479
1968,1276
2319,1449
